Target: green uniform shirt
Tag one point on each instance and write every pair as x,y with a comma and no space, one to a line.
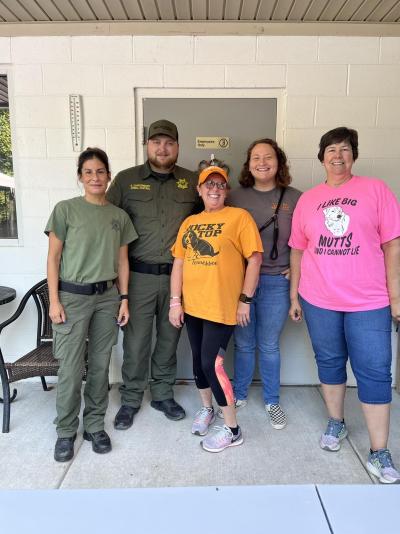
156,207
92,236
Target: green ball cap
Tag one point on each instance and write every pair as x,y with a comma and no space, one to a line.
163,127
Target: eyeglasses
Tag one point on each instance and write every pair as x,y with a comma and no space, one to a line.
210,184
99,172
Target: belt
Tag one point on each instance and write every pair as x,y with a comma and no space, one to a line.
85,289
150,268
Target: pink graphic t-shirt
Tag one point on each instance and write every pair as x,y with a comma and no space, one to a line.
341,231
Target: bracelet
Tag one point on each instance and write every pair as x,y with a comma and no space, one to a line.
123,297
172,298
175,305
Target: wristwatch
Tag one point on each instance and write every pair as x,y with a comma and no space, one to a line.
244,298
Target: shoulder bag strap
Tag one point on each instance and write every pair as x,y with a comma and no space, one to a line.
274,219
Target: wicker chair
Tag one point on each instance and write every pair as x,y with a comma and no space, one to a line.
37,362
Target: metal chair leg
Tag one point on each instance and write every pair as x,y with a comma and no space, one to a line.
6,398
44,384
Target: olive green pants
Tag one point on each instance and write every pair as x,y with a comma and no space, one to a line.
88,317
148,299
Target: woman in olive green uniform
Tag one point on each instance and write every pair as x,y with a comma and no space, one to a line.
87,273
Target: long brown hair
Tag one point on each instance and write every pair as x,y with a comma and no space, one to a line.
282,178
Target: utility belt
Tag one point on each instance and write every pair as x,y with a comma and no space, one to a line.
150,268
86,289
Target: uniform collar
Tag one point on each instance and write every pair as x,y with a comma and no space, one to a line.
147,172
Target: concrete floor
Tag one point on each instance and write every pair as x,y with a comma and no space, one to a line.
156,452
158,476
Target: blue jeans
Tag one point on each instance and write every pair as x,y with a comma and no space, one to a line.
268,314
362,336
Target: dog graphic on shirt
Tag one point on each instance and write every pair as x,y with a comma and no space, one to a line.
336,220
200,247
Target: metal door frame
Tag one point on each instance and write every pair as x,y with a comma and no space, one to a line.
140,94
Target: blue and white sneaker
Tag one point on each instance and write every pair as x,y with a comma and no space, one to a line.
335,432
380,464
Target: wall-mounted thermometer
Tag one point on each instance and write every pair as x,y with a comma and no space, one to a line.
75,114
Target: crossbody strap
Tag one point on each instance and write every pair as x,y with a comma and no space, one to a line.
274,219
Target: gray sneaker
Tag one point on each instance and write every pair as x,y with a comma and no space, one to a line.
239,403
334,433
277,416
380,464
222,439
202,420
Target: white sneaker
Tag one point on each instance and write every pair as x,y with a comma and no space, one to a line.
277,416
239,403
221,440
202,420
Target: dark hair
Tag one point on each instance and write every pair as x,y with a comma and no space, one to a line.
283,178
92,153
338,135
213,162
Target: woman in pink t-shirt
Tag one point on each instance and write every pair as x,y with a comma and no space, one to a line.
345,278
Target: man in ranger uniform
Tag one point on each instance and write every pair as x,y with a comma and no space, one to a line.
157,196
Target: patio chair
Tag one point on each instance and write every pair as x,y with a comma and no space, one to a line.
39,361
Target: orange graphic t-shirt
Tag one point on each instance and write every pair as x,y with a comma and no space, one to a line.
213,247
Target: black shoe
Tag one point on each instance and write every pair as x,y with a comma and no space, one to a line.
64,449
101,442
124,418
170,408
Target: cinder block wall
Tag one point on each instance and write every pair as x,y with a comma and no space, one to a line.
330,81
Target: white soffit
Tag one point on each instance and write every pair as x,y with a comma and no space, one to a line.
298,17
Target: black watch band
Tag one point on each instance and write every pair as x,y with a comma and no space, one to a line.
123,297
244,298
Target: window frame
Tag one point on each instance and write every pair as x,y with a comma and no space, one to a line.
16,241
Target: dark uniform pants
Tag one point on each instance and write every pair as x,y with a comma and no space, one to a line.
92,317
148,298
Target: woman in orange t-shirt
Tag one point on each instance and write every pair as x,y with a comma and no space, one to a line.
211,291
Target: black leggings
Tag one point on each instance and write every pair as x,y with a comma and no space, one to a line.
208,341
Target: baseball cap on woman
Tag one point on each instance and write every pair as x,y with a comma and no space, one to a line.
213,169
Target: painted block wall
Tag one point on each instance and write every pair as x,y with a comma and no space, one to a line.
329,81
